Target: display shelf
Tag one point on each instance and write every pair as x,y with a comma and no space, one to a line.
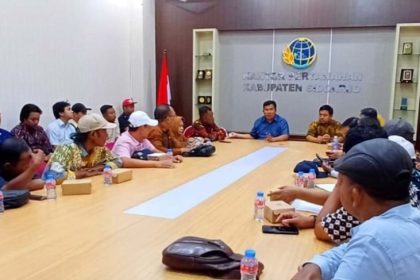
406,94
205,58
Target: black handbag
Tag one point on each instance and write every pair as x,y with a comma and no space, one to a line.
15,198
203,150
306,165
205,256
142,154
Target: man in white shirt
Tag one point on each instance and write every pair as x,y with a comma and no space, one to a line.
59,131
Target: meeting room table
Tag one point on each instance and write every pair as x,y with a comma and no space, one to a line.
90,236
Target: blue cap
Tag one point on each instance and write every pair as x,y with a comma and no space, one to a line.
50,176
107,166
301,173
311,170
250,253
260,194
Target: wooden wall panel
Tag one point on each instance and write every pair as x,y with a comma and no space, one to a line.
175,21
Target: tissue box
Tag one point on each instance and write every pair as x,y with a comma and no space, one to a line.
121,175
74,187
273,209
157,156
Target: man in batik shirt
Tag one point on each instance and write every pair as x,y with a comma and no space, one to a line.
325,128
206,127
30,131
87,155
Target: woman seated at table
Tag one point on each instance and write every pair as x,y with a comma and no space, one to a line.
164,135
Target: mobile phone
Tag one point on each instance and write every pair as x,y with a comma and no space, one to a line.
280,229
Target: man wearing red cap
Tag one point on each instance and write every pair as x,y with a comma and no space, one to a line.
128,108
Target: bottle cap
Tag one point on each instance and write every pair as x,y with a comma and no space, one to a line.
50,176
250,253
300,173
260,194
311,170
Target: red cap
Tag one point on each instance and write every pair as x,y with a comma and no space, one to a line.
128,102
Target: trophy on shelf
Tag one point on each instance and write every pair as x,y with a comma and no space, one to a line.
406,76
407,48
204,100
200,75
404,104
208,74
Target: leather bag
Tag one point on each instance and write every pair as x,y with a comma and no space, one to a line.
205,256
203,150
15,198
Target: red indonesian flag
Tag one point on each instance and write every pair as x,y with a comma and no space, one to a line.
164,93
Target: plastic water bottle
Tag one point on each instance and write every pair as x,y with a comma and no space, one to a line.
169,153
71,175
50,187
249,266
300,179
1,202
335,143
107,175
311,178
259,207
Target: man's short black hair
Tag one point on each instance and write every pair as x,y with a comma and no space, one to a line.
59,107
203,110
10,151
366,121
369,113
105,108
270,102
350,122
360,133
327,108
162,112
27,109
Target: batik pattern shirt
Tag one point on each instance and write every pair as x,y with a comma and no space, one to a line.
213,132
35,137
73,157
319,129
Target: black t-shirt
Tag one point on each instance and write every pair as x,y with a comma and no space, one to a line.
123,122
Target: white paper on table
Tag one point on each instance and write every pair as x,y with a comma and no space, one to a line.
301,205
327,187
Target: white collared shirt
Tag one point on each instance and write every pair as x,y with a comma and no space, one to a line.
59,132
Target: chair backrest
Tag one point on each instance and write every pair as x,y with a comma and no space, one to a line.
188,132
